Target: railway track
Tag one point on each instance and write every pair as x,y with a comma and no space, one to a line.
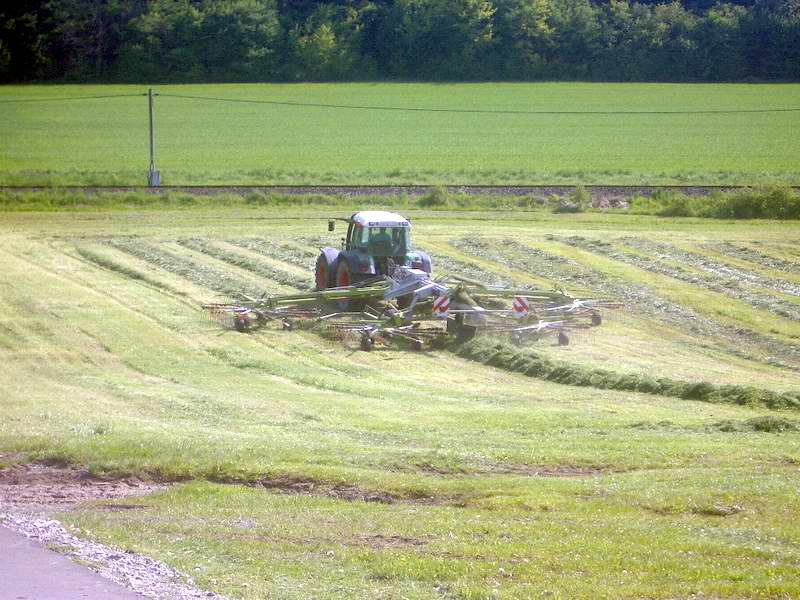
597,191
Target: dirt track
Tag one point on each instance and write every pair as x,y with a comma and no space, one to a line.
40,489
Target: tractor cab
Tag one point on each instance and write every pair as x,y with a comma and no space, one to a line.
375,240
380,234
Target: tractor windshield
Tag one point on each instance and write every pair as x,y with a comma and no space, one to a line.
384,241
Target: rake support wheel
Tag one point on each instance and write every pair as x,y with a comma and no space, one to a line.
241,323
367,343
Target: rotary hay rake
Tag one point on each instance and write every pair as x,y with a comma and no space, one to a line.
411,308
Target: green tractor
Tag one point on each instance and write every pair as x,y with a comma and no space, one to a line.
376,242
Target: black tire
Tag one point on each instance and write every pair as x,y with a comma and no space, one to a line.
563,339
324,272
367,343
466,333
241,323
439,342
597,319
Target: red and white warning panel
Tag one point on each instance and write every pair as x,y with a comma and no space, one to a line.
520,306
441,305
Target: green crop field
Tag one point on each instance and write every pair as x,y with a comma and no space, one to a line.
302,467
105,140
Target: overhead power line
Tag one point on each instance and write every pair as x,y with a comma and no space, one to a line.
69,98
479,110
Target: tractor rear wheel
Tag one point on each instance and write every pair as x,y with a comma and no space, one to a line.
324,272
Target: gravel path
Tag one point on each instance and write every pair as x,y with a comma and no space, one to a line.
30,493
148,577
30,571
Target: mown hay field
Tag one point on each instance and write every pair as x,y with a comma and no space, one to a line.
303,467
578,133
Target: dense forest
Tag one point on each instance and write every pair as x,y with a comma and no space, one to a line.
428,40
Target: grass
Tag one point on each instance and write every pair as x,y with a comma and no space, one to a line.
309,469
784,202
584,539
776,203
105,141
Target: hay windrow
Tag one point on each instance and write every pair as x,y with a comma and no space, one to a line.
755,256
529,363
727,281
189,270
254,266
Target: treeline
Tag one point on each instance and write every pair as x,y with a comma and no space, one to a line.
438,40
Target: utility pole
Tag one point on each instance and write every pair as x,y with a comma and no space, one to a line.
153,176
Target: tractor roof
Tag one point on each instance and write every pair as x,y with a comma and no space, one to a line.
379,218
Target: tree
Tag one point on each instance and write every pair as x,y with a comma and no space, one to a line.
620,57
264,40
88,33
674,55
185,40
23,30
719,44
326,46
770,33
523,35
577,40
439,39
238,38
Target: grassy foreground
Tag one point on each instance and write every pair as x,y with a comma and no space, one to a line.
104,141
317,470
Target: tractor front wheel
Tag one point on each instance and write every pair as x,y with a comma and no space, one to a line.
346,278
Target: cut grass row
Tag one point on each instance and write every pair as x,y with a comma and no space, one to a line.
685,292
259,267
679,324
531,364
